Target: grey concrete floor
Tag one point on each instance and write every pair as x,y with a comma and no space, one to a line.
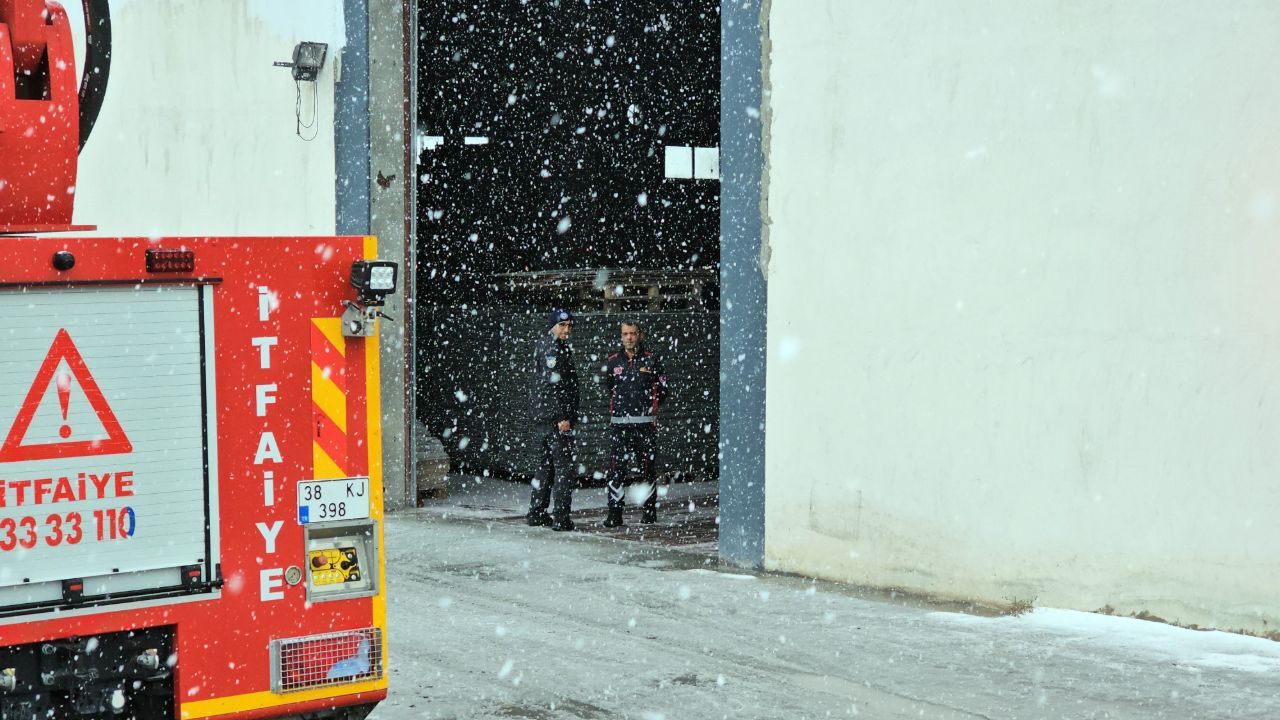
492,619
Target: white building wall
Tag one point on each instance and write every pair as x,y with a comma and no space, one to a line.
1024,302
197,135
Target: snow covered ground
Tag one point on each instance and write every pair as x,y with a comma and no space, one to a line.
492,619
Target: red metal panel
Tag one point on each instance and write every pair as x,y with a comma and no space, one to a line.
223,643
26,21
39,137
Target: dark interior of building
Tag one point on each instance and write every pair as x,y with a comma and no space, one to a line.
555,146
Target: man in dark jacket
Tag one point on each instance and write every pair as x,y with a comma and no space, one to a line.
637,386
555,413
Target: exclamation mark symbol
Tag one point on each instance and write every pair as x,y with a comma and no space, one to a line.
64,399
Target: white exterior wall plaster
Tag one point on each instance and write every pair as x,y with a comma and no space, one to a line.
1023,303
197,134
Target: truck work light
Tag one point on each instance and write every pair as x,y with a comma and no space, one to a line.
373,280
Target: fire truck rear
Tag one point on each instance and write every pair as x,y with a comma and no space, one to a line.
190,485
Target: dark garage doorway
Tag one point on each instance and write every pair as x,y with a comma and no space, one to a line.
568,157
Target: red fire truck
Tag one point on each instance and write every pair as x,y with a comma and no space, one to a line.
190,485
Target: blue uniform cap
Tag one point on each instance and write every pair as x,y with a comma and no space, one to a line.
558,316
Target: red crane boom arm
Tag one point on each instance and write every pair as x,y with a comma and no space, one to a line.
39,117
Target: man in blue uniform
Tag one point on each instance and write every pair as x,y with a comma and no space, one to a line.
637,386
554,404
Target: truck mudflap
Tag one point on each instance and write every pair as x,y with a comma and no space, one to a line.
121,675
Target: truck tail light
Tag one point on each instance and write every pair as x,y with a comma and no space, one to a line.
333,658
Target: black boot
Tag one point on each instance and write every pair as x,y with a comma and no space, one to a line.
562,523
614,518
536,518
650,514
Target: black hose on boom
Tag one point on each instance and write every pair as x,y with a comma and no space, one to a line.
97,64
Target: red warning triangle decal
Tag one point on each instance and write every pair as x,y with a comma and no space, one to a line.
116,442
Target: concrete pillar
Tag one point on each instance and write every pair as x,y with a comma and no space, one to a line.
351,124
742,285
390,33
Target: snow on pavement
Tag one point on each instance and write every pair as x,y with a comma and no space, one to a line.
497,620
1165,643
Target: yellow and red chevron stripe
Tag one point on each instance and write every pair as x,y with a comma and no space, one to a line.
329,399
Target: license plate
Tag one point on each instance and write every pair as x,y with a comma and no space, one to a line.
329,500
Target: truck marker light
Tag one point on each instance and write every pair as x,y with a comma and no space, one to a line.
170,260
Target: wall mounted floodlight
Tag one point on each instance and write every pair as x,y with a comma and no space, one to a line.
308,59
